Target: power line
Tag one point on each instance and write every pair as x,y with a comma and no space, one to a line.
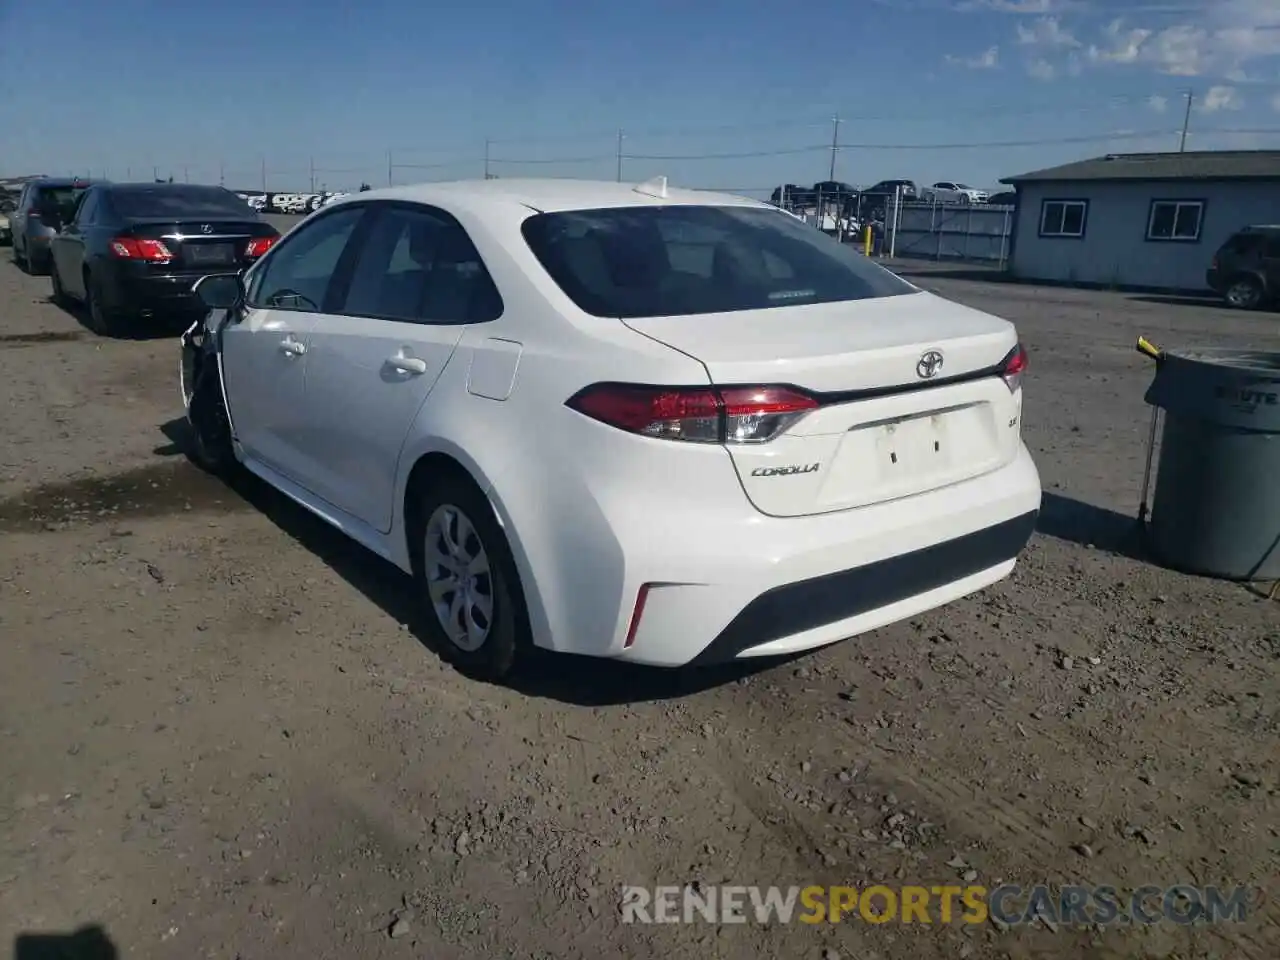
729,156
598,159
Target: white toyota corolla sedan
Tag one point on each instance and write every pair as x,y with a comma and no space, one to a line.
657,425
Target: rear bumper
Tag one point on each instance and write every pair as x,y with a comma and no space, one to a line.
724,587
820,610
130,289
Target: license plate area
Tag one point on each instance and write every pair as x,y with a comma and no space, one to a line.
209,254
899,456
909,444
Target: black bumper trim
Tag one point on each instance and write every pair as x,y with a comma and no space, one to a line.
806,604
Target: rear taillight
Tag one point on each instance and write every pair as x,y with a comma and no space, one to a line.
131,248
1013,367
259,245
696,414
33,215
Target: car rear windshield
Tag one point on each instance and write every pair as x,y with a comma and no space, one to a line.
180,203
58,202
631,262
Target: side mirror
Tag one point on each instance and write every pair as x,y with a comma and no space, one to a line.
220,291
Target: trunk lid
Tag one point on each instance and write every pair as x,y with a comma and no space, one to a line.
884,430
208,245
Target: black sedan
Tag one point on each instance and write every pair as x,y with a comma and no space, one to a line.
131,252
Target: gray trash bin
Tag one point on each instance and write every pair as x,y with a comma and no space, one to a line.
1216,509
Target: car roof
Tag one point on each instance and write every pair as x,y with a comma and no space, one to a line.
64,182
551,195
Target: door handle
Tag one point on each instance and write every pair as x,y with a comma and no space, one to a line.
407,364
292,348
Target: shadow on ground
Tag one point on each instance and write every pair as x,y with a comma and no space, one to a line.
583,681
1066,518
1180,300
87,943
151,328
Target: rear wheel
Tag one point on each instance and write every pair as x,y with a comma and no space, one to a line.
104,320
37,266
58,294
1244,293
467,579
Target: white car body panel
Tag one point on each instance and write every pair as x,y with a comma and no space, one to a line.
594,513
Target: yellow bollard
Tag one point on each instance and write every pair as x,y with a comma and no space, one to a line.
866,239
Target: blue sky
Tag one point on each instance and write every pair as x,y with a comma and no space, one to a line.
736,95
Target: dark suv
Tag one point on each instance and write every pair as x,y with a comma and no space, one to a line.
1246,269
45,206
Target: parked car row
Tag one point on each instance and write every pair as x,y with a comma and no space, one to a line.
130,252
870,203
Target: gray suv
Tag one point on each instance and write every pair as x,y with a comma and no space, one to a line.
44,207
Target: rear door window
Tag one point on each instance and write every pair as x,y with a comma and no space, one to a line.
1242,243
419,266
58,204
678,260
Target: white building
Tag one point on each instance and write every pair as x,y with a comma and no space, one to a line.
1150,220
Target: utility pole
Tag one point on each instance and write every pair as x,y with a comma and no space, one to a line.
186,174
1186,121
155,173
222,173
486,158
619,154
835,145
389,168
264,174
312,162
128,173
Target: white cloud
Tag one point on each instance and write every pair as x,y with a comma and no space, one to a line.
1211,38
1220,98
1046,32
1041,69
1120,45
1158,103
986,60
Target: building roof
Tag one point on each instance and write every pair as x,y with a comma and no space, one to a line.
1191,165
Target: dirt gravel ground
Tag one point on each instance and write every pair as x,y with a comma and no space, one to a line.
220,737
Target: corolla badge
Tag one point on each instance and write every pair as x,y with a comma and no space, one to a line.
787,471
206,228
928,365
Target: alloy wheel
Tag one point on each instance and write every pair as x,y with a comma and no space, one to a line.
458,578
1242,293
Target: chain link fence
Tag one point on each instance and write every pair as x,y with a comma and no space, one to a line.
903,227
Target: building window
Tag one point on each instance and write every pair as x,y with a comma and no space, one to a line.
1063,218
1175,220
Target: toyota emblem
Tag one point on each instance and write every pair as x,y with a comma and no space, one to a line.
206,228
929,365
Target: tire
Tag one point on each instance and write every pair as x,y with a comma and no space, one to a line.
211,446
37,267
102,319
1244,293
57,294
17,258
453,509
